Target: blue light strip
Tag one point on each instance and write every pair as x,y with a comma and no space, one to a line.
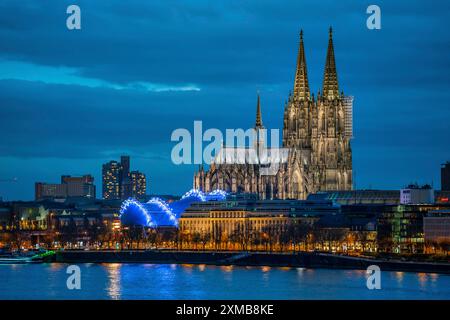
194,193
141,208
165,207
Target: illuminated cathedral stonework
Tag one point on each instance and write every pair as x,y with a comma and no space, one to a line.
317,133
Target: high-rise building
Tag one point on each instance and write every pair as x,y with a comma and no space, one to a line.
125,162
125,182
348,111
138,184
69,187
445,176
111,176
120,183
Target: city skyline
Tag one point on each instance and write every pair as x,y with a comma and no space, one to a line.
67,109
118,182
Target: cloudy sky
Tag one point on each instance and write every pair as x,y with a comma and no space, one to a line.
137,70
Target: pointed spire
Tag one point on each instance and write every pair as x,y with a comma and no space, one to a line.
301,87
330,81
258,124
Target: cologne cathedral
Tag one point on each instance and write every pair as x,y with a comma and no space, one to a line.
316,132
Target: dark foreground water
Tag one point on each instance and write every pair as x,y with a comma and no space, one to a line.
164,281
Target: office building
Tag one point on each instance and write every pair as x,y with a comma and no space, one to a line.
111,177
70,186
121,183
125,180
436,227
413,194
138,184
358,197
251,221
79,186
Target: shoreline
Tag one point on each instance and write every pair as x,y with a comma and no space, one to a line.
251,259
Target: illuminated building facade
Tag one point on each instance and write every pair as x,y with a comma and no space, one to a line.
251,221
138,184
111,180
220,221
121,183
316,132
401,229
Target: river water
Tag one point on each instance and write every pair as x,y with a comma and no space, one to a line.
170,281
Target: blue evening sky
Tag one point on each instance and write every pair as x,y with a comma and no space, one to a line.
72,100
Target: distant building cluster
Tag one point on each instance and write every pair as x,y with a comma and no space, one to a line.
51,224
413,220
121,183
70,187
319,224
118,183
367,224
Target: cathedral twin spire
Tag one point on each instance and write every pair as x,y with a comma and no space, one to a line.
330,87
301,86
330,82
320,156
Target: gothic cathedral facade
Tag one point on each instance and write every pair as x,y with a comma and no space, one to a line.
316,132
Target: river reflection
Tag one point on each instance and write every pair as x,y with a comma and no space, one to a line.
172,281
114,287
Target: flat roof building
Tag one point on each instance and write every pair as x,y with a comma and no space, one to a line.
70,186
251,220
436,226
350,197
413,194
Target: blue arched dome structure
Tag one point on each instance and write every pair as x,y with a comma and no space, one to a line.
157,212
191,196
133,213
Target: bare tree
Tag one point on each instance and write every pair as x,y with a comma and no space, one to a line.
196,239
205,239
